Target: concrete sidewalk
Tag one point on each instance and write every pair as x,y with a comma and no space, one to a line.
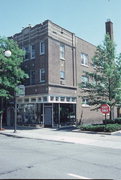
74,136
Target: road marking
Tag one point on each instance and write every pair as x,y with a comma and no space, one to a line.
77,176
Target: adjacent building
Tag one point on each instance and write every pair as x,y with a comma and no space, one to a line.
56,61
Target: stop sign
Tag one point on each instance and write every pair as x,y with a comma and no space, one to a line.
105,108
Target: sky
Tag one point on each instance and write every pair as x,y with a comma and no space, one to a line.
85,18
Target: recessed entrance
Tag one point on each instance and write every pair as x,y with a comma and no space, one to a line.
48,116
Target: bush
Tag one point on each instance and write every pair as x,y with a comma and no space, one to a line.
108,121
97,128
112,127
101,128
118,120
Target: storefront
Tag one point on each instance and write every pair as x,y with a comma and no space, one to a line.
46,111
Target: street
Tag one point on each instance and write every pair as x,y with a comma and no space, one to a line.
31,158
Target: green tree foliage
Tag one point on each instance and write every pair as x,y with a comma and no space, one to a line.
104,86
11,73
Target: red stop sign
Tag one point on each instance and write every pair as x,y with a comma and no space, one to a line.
105,108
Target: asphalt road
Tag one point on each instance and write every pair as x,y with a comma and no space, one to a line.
29,158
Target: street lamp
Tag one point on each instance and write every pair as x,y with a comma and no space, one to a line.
15,114
7,53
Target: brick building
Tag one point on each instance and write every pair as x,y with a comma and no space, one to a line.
55,60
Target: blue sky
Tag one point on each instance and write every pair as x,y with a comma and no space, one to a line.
85,18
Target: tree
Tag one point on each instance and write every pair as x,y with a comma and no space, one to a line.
11,73
104,86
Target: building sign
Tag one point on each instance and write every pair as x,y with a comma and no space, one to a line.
105,108
21,90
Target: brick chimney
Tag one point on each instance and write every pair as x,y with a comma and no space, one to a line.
109,28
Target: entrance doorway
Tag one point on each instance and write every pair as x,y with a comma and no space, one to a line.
48,116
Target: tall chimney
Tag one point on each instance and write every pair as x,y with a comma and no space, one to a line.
109,28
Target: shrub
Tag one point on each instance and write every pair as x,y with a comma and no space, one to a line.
97,128
112,127
101,128
118,120
108,121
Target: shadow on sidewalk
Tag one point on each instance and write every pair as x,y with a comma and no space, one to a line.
62,129
66,129
20,128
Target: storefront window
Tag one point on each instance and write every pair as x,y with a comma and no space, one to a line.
30,114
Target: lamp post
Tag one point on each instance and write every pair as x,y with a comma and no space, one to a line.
20,93
15,114
7,53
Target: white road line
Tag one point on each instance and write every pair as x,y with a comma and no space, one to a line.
77,176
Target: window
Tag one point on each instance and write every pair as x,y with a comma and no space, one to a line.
33,99
42,75
52,98
62,75
42,47
39,99
57,98
27,80
62,98
85,81
32,48
84,59
32,77
27,52
85,101
62,51
73,99
26,100
68,99
45,98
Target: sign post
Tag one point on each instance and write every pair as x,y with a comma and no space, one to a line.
105,109
21,92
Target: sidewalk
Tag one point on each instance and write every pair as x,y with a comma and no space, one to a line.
74,136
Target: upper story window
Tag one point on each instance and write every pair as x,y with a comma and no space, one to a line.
85,101
32,51
62,75
27,52
42,47
62,51
85,81
84,59
32,77
42,75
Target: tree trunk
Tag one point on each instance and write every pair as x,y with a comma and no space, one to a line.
112,113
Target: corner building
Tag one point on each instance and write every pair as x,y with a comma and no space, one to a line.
56,61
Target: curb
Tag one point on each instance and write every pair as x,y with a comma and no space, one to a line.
42,139
93,132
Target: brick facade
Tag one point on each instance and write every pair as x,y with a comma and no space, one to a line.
57,39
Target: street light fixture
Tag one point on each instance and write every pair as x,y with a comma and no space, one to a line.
7,53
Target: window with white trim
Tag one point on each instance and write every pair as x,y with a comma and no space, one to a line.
62,51
42,47
62,75
32,51
27,52
42,75
84,59
85,101
32,77
85,81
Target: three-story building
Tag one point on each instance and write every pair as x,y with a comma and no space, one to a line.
56,61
